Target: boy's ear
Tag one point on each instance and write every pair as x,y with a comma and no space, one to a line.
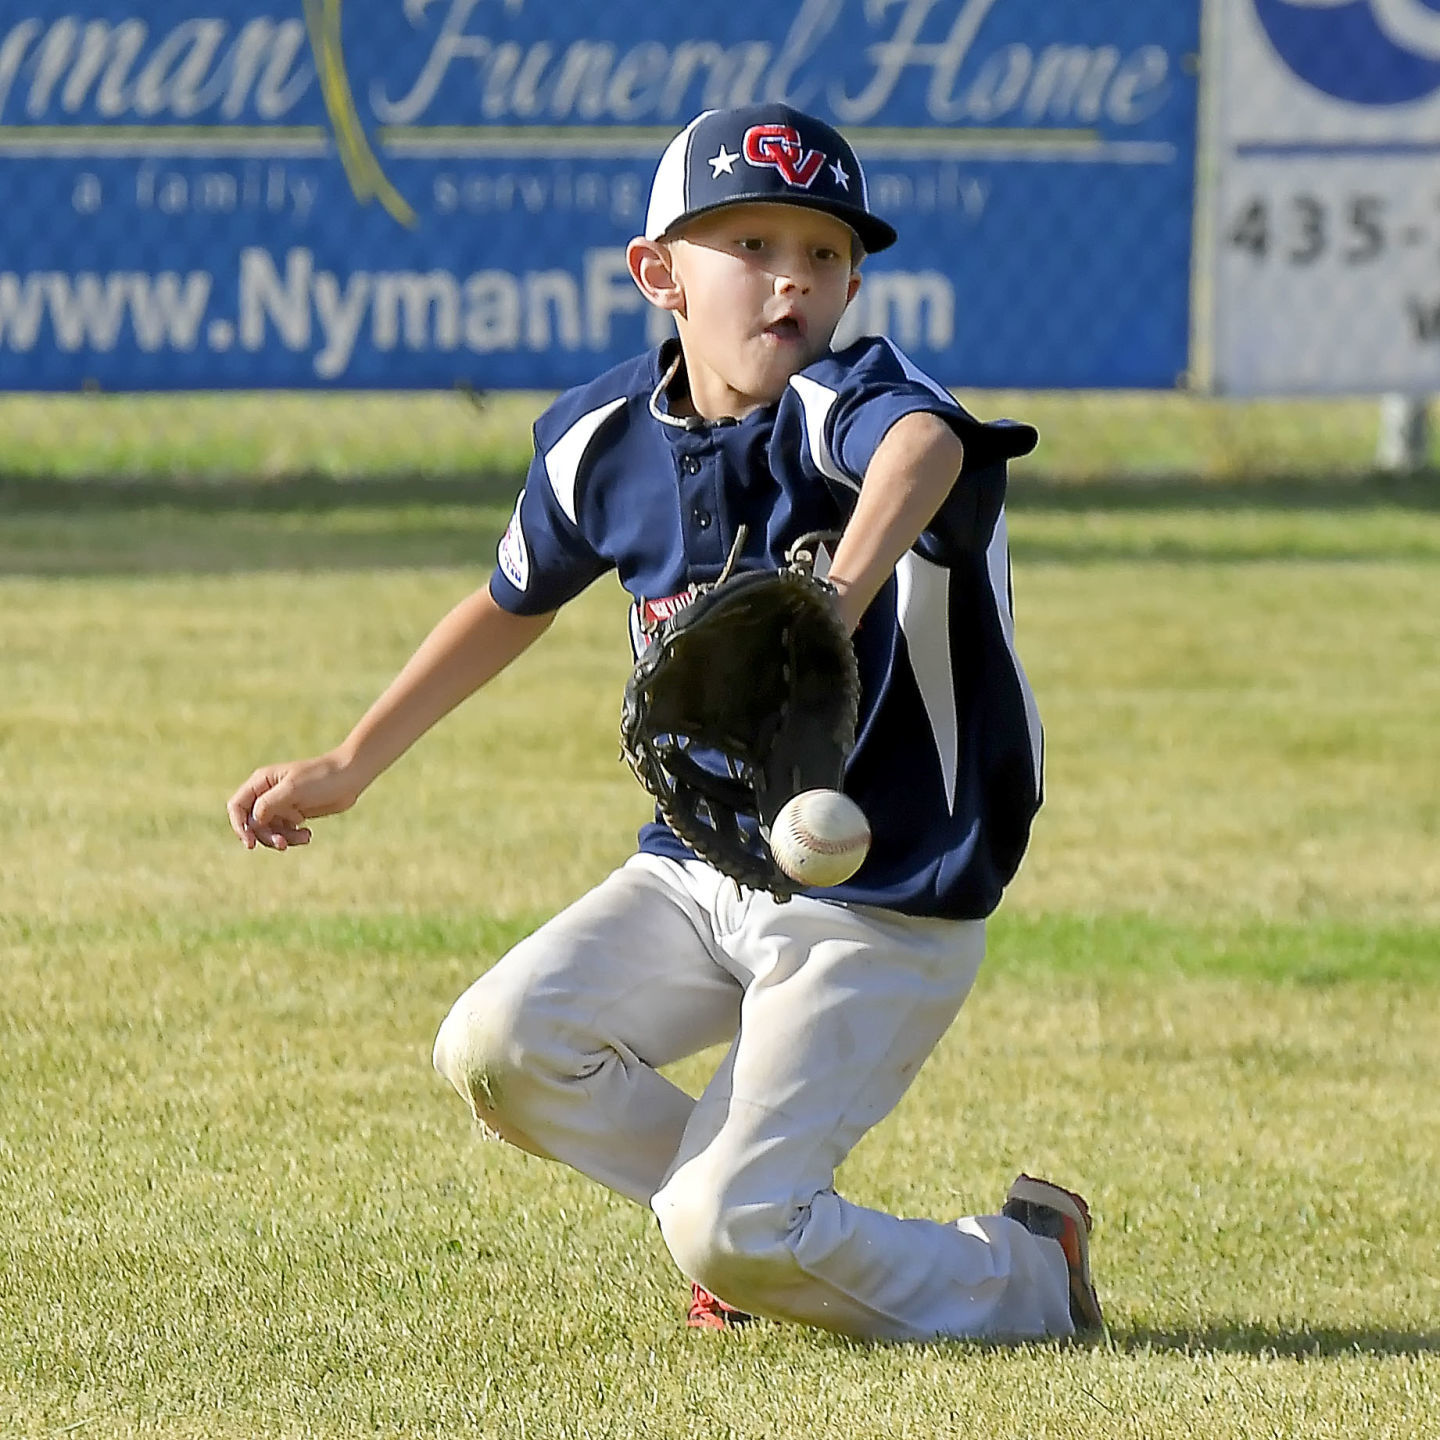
854,286
653,270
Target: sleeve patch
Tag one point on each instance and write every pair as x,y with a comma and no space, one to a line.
514,556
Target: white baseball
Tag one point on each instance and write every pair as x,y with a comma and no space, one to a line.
820,837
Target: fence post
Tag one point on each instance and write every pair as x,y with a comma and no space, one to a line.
1404,439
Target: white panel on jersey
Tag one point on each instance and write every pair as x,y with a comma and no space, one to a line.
922,602
914,373
562,459
997,562
817,400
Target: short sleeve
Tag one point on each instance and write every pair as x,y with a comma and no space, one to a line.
853,397
543,558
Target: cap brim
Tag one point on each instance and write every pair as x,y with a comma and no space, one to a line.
874,233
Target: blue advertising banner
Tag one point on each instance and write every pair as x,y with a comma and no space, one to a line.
423,193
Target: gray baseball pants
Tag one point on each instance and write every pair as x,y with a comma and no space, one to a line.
829,1012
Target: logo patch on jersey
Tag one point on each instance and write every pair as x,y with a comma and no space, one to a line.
778,147
514,556
646,616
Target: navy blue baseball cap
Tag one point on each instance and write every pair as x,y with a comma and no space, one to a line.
756,153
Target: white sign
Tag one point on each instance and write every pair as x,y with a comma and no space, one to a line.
1325,220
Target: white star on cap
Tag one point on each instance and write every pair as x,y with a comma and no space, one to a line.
841,178
724,161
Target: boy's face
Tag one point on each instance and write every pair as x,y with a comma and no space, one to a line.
758,292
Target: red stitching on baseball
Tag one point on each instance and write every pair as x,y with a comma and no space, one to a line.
821,845
818,844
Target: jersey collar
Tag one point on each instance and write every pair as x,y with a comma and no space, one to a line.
672,364
673,379
670,359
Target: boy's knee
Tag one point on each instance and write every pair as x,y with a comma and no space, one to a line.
485,1048
739,1248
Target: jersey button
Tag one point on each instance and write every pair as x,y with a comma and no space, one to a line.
690,465
701,518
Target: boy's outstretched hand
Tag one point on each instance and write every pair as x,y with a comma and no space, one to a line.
473,643
272,806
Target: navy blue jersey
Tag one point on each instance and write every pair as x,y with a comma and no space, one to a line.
947,765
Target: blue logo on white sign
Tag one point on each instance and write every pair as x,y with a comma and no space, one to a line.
1369,52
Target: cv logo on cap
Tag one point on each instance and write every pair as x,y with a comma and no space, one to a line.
779,147
757,153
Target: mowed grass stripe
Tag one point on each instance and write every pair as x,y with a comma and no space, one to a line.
1311,953
270,437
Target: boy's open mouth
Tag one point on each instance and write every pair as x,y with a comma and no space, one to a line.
788,327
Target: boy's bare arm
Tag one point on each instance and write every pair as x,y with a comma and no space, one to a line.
910,474
470,646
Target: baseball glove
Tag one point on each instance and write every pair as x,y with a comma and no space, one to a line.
743,699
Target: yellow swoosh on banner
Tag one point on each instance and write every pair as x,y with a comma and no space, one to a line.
362,169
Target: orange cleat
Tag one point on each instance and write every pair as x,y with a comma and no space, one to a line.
710,1312
1055,1214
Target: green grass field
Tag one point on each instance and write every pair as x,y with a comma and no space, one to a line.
235,1202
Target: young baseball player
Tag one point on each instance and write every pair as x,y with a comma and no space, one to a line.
750,426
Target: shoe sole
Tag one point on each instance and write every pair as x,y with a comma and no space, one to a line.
1030,1191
